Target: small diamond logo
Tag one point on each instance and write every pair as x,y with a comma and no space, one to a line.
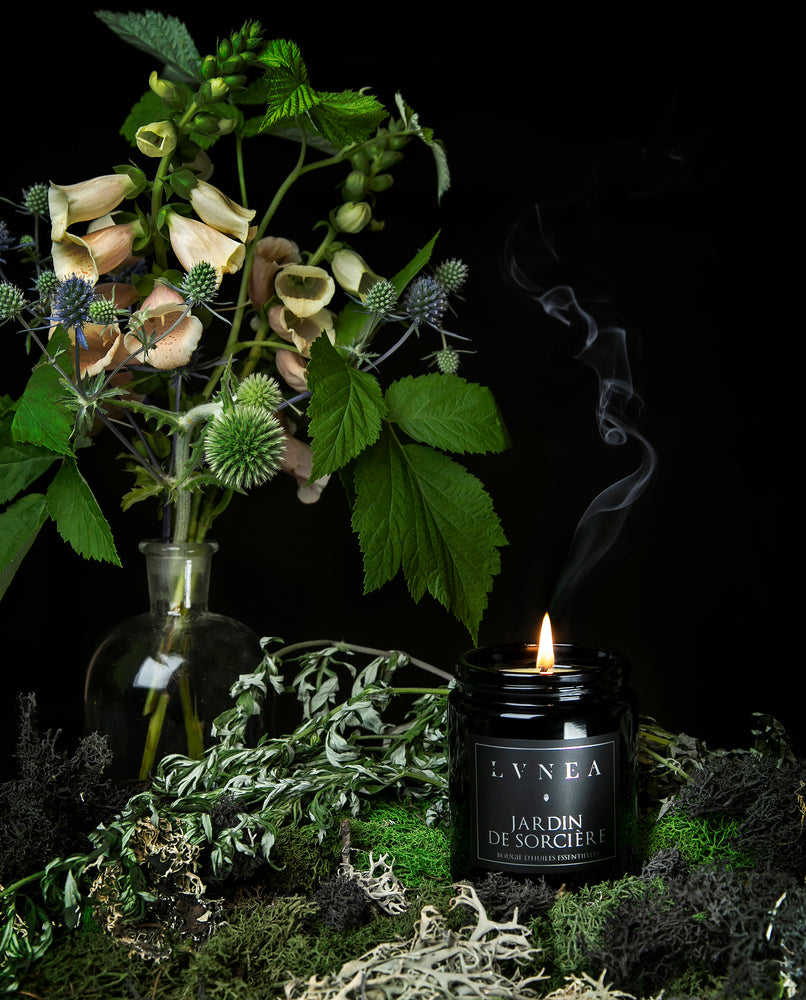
545,796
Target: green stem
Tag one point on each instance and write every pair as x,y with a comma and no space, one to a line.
159,700
232,341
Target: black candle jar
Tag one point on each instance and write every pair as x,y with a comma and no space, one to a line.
543,765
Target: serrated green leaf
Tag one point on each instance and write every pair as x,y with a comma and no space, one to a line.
347,117
77,515
419,511
20,464
447,412
41,418
346,409
19,526
164,37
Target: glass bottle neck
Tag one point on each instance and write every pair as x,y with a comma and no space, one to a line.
178,575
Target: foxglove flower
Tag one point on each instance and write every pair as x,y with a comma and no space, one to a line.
193,242
88,200
301,331
156,140
174,337
304,289
269,255
353,273
217,210
99,252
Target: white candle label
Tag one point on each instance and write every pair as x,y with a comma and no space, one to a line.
544,804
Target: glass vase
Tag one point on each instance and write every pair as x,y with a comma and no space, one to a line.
157,681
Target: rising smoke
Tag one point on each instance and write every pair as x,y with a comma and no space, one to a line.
604,349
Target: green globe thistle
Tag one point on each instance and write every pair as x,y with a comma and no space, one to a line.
381,297
260,389
426,302
102,312
447,360
200,284
12,301
35,200
46,284
244,447
451,274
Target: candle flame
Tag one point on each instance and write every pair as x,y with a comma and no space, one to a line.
545,648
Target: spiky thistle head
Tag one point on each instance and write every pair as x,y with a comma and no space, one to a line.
426,302
71,305
200,285
451,274
244,446
46,284
12,301
103,312
381,297
35,200
447,361
259,389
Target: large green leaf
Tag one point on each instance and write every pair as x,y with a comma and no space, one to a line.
77,515
418,510
342,118
163,37
20,464
41,418
346,409
447,412
19,526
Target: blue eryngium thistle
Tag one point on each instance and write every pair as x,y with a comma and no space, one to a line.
426,302
244,446
71,305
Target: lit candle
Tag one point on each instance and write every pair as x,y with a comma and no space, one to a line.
542,755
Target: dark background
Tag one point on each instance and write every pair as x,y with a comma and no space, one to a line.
660,145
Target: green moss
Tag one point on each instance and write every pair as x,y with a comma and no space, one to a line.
418,853
574,925
302,862
700,840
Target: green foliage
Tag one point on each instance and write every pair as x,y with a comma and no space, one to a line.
418,511
341,118
163,37
700,839
77,515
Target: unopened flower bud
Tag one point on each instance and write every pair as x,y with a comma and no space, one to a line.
157,139
214,90
388,158
355,187
209,67
173,94
35,200
353,216
382,182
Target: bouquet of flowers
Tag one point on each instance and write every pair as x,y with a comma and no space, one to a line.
219,351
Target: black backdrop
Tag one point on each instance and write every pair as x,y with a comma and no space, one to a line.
659,146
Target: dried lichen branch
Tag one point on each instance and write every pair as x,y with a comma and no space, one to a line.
436,964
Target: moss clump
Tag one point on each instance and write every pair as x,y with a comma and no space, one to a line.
420,853
700,840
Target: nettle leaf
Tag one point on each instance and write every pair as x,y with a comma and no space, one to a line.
41,417
163,37
447,412
347,117
19,526
77,515
420,511
346,409
342,118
